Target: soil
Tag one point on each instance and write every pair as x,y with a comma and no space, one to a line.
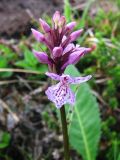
16,16
31,135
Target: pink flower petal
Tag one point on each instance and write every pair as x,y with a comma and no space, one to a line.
56,18
44,25
70,26
74,35
78,80
41,38
69,48
60,95
75,56
62,21
53,76
64,39
71,99
42,57
57,52
38,36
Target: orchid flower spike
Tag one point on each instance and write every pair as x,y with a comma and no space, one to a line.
61,93
59,39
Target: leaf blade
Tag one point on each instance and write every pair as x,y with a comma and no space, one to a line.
82,127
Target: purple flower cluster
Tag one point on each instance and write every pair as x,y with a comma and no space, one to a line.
58,39
62,52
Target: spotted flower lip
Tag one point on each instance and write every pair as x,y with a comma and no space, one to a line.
59,40
61,93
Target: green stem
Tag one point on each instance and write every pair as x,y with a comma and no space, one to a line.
65,133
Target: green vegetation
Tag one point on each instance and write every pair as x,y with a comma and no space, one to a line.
103,32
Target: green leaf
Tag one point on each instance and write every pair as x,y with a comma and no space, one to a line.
29,61
118,157
4,140
85,14
22,63
29,57
4,64
84,129
67,10
42,68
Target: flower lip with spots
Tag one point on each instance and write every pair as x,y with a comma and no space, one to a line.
61,93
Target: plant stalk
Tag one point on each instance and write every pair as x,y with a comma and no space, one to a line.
65,133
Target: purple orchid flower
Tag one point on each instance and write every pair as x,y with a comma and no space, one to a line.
61,93
62,52
58,39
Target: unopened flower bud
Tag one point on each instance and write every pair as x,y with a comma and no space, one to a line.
70,26
57,52
42,57
56,18
38,36
62,21
75,35
44,25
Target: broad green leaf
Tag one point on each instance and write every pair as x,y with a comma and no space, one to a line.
84,129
